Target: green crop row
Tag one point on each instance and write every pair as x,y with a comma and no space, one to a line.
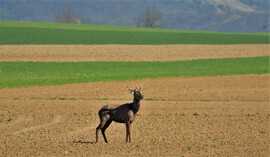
49,33
18,74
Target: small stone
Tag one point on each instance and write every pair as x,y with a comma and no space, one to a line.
195,114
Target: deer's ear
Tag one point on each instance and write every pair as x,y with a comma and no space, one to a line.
131,92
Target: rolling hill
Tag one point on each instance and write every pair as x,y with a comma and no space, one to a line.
212,15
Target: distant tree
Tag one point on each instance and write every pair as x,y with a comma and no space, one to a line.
151,18
66,14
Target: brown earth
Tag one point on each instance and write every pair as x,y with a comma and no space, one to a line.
203,116
76,53
206,116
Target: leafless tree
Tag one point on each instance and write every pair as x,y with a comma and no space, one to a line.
66,14
151,18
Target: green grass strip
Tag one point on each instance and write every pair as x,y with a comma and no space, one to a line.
18,74
23,24
52,33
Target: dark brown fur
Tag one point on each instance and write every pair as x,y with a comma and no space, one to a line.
125,113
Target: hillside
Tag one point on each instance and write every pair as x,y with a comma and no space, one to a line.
213,15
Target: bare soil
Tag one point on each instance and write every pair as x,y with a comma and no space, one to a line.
202,116
75,53
206,116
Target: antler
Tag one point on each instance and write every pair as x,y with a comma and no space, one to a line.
129,88
140,87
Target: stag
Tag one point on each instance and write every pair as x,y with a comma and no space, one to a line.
125,113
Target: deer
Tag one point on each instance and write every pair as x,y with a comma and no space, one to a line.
125,113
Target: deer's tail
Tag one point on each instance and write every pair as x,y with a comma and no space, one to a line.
102,112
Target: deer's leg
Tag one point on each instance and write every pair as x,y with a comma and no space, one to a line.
101,124
103,121
104,128
128,132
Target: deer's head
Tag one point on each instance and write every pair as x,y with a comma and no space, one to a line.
138,94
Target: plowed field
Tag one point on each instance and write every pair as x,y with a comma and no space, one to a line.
207,116
77,53
201,116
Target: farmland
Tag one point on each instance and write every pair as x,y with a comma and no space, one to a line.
18,33
16,74
198,116
203,98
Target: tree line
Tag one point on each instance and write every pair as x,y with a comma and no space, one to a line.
151,17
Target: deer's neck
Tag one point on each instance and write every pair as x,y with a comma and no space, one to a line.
135,106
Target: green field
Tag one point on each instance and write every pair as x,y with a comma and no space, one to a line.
18,74
53,33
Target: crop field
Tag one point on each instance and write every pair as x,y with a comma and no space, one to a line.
16,74
18,33
200,99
